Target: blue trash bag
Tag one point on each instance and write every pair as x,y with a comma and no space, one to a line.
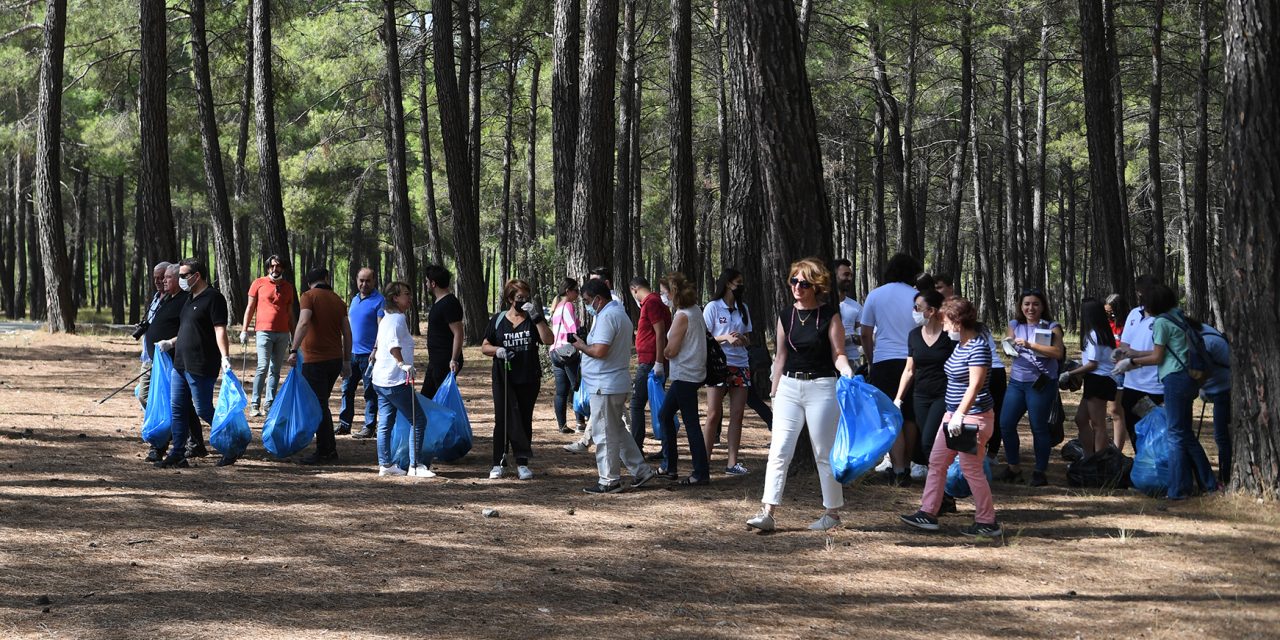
157,421
440,422
455,441
230,434
869,423
957,485
582,400
657,396
1150,472
294,417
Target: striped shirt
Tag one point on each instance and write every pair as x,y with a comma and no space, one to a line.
974,353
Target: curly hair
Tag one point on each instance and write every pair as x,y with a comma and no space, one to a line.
814,271
961,311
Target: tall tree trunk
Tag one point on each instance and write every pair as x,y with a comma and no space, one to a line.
722,128
473,99
119,289
1251,224
230,281
1040,265
1104,192
637,185
951,239
20,221
435,247
565,105
681,235
1158,249
1117,102
8,237
276,234
357,235
153,124
453,135
397,171
986,254
622,214
918,202
78,238
48,188
241,178
592,188
1198,283
1013,259
529,237
745,214
508,157
908,239
880,241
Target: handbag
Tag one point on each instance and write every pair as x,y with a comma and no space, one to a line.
965,442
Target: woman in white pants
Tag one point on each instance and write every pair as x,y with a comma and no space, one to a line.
810,356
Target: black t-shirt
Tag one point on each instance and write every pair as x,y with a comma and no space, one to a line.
197,348
930,378
444,312
808,341
168,318
521,342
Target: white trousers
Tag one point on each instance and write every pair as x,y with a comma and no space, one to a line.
801,402
613,440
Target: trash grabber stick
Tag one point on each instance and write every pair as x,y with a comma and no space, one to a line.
122,388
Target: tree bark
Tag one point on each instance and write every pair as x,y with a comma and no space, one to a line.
508,155
230,282
565,105
1104,194
592,188
951,240
1013,258
241,179
908,233
623,216
159,243
435,247
473,99
397,170
681,234
529,237
1040,265
1158,249
1198,282
1251,227
276,238
60,303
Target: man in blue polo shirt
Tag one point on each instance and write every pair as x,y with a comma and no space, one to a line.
364,313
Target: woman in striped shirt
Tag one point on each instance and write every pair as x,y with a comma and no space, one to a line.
969,421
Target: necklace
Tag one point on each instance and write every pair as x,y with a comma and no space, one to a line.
805,319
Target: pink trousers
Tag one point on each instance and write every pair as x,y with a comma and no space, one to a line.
940,458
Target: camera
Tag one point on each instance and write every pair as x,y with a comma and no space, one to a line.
141,329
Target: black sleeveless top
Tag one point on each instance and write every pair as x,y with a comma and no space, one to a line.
808,341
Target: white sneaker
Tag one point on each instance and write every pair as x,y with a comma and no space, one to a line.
884,464
495,472
918,471
421,471
578,446
524,473
392,470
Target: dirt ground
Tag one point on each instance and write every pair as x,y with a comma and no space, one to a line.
96,544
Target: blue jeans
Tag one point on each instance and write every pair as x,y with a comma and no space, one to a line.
1020,398
359,363
639,398
391,400
567,379
191,400
273,346
683,396
1186,456
1222,433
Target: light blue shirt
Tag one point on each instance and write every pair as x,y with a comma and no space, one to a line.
612,373
1220,354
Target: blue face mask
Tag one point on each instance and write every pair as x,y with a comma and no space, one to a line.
591,310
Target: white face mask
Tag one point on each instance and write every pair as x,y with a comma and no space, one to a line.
184,284
918,316
954,335
275,277
665,299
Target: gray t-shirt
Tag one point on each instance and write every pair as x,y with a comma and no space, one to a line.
612,373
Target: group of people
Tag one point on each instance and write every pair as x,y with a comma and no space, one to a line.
923,347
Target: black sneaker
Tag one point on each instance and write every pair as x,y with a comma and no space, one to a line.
364,433
1009,475
565,429
614,487
153,455
948,505
196,450
224,461
1038,479
173,462
921,520
983,530
320,458
640,481
342,430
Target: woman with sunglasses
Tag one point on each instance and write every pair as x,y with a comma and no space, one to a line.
510,338
1033,384
810,356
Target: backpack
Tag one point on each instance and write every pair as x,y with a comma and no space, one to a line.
717,363
1199,364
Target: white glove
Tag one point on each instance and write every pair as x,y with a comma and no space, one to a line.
846,371
1009,348
659,370
531,310
1124,365
408,370
954,425
244,337
897,402
226,364
501,353
1117,355
1064,379
166,345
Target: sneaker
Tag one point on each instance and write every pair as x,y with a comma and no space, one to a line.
613,487
255,412
736,470
153,455
582,426
320,458
196,450
173,462
421,471
577,446
919,471
885,464
640,481
565,429
921,520
225,461
495,472
342,430
901,479
1009,475
762,521
983,530
524,473
827,521
1038,479
364,433
392,470
948,505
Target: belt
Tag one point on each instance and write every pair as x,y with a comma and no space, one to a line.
807,375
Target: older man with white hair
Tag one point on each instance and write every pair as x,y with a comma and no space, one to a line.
140,332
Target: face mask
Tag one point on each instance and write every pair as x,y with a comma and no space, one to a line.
591,310
184,284
954,335
918,316
275,277
665,300
738,291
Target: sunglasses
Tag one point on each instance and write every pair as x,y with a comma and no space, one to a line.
186,275
803,284
1032,292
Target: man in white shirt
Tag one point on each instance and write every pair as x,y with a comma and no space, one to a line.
606,372
850,308
886,321
1137,339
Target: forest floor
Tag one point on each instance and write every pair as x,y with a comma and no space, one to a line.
96,544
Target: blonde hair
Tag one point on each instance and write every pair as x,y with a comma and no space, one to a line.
814,271
681,290
390,292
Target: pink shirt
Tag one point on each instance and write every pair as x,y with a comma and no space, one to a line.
563,322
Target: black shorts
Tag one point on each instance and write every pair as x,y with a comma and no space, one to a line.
885,376
1098,387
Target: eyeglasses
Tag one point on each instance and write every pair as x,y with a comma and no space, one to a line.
1032,291
803,284
186,275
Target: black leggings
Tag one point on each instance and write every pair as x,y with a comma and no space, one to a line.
997,382
929,411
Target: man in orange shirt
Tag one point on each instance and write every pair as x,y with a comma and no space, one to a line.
324,335
271,299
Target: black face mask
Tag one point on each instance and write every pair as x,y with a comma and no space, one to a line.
738,291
